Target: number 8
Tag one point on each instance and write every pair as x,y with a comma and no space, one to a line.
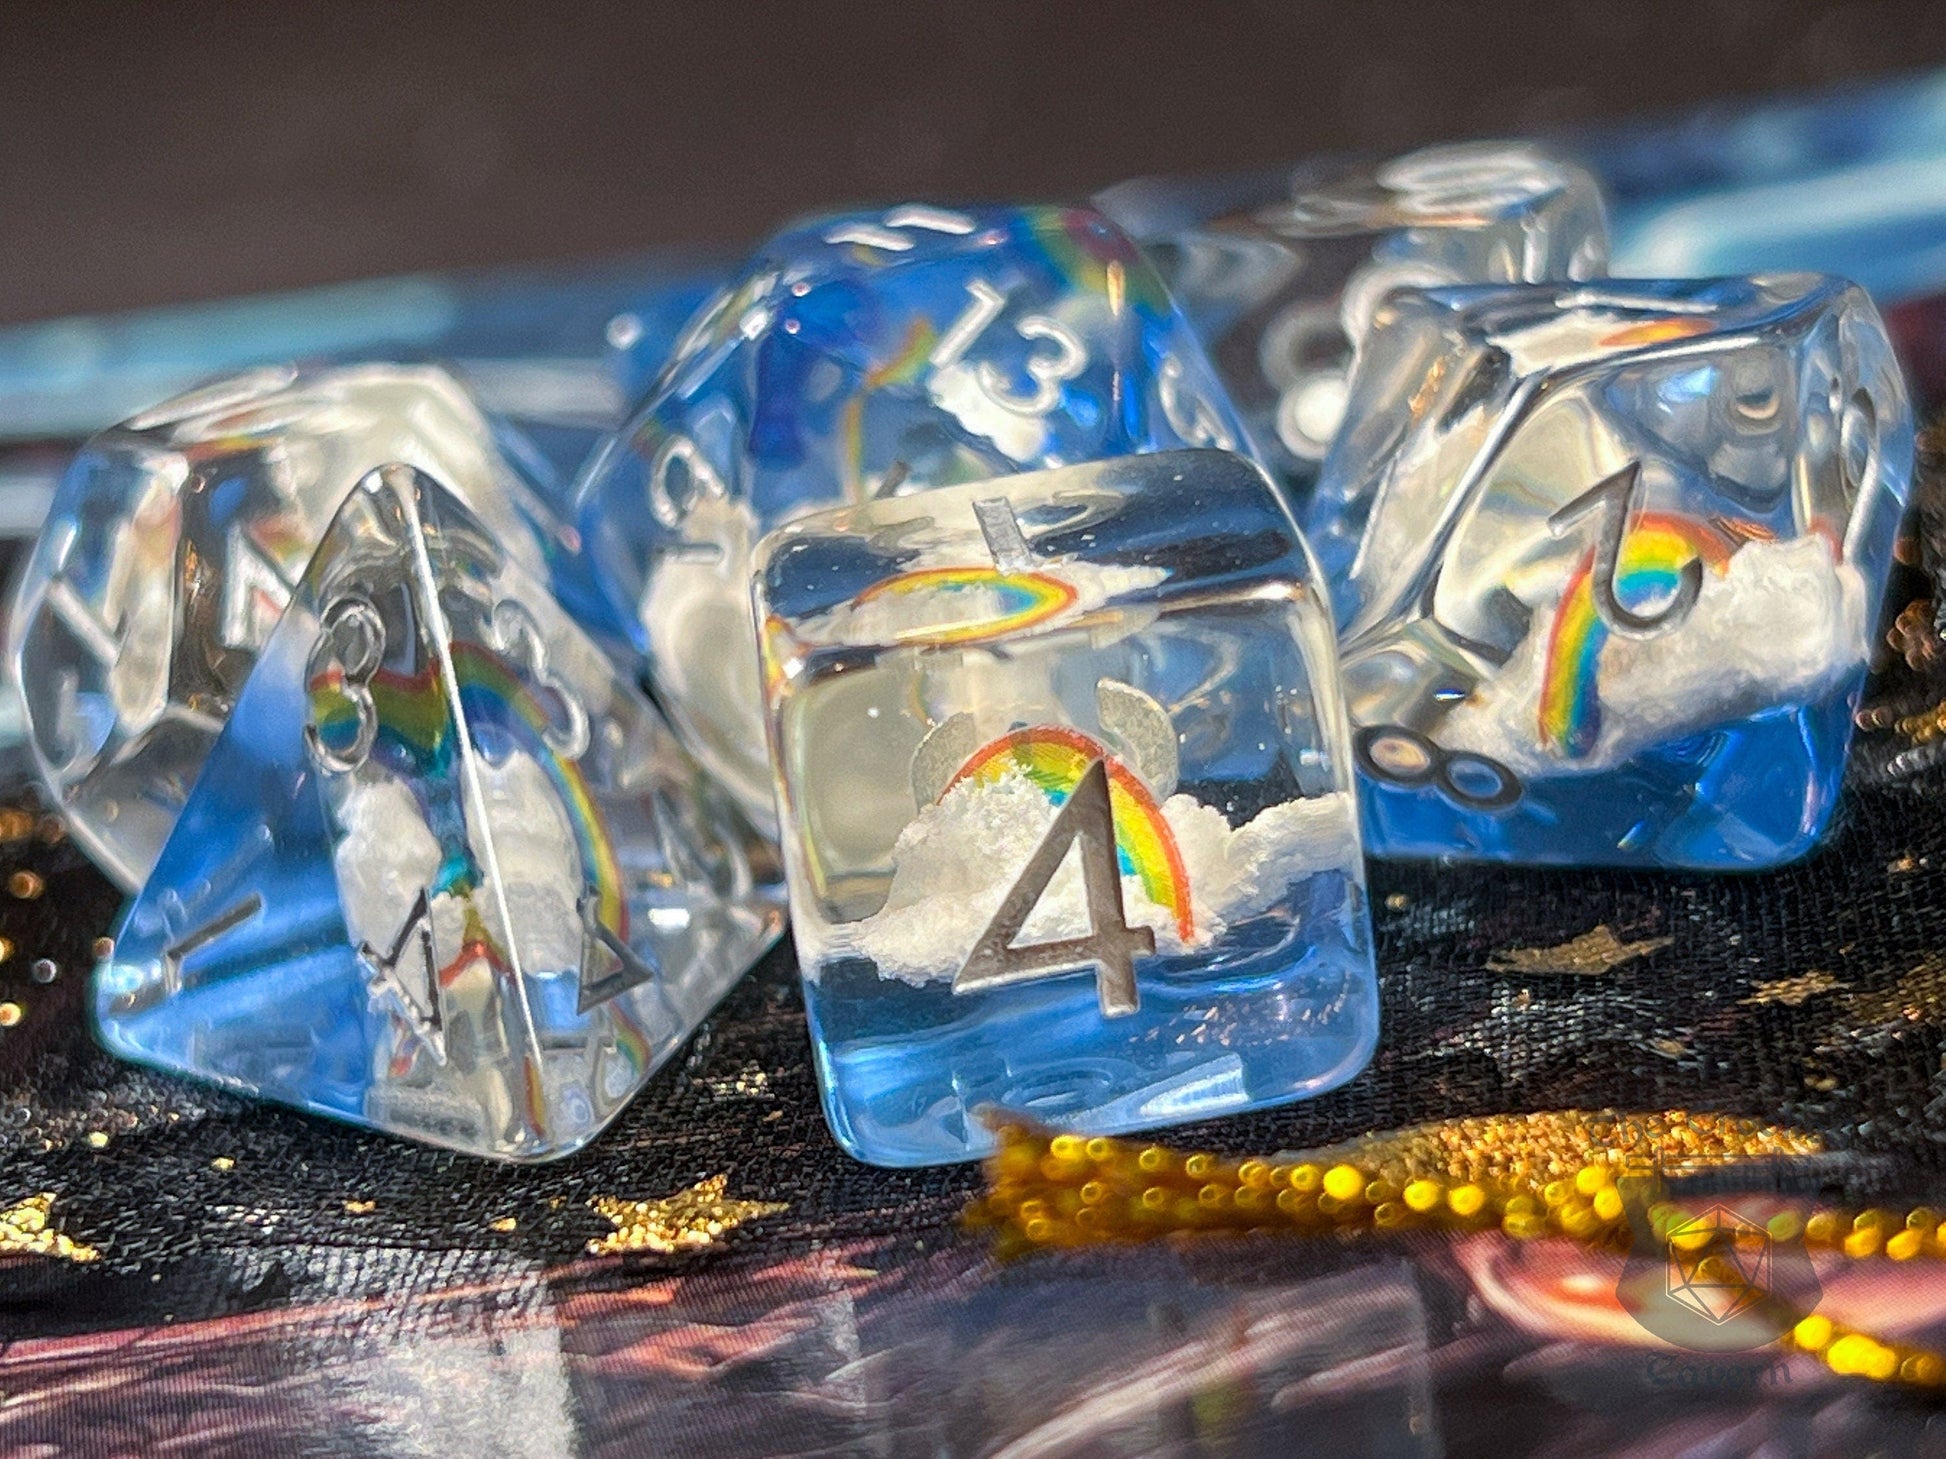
1398,756
352,641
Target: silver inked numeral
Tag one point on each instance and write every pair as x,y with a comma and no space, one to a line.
1613,499
1087,820
1049,369
351,640
411,961
1398,756
609,966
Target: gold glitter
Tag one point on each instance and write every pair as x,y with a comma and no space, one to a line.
1397,902
1592,952
6,948
360,1208
98,1139
687,1221
26,885
104,949
16,824
10,1014
1912,999
24,1232
1791,992
222,1162
505,1223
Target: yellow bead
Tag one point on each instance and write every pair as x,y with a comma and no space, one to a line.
1307,1177
1812,1333
1153,1158
1211,1196
1378,1192
1033,1210
1785,1226
1344,1182
1155,1198
1923,1368
1860,1356
1254,1174
1389,1214
1862,1243
1905,1245
1822,1228
1523,1225
1067,1147
1198,1167
1423,1195
1556,1192
1466,1200
1093,1192
1591,1178
1329,1205
1608,1203
1038,1231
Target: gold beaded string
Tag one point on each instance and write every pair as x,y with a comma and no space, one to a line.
1552,1174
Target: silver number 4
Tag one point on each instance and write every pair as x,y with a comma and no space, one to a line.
1111,944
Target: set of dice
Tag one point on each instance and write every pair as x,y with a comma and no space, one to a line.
950,576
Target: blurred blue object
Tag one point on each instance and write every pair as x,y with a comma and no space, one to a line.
1850,182
535,342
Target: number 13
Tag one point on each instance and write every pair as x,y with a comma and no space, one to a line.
1049,371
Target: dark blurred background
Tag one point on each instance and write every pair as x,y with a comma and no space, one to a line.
173,151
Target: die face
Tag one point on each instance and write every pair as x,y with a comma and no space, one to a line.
1608,560
169,554
1093,707
860,356
446,872
1285,288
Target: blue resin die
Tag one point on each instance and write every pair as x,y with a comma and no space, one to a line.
1067,795
445,872
860,357
1607,561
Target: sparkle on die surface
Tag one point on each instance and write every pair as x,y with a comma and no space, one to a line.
1606,560
446,872
1067,804
862,356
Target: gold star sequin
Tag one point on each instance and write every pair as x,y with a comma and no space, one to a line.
1592,952
24,1231
687,1221
1791,991
1912,999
